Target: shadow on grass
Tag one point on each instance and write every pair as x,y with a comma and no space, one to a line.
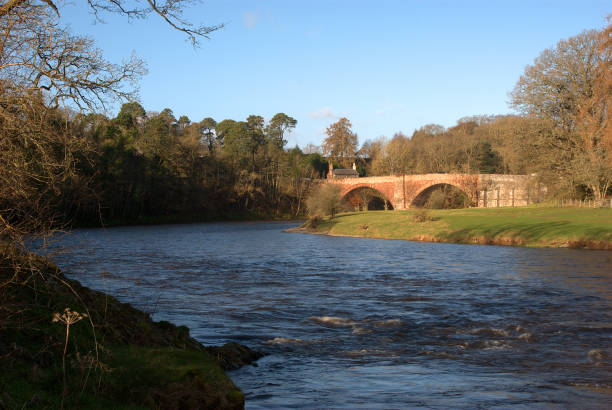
534,232
328,224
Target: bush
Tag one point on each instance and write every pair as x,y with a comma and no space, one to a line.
423,215
324,200
313,222
437,200
447,198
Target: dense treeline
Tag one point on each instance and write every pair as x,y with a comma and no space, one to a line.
140,165
151,164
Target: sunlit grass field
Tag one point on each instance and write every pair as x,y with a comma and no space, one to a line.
534,226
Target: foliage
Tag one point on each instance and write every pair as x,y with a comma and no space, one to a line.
280,124
341,142
437,200
131,115
138,166
423,215
207,127
447,197
313,222
559,80
39,161
502,144
394,157
566,86
366,198
324,200
319,164
489,161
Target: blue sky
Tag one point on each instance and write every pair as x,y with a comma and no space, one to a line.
387,65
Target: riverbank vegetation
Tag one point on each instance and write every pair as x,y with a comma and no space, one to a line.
533,226
65,346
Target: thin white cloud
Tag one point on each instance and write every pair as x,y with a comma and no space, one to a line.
250,19
323,114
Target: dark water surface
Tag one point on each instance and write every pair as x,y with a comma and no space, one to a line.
361,323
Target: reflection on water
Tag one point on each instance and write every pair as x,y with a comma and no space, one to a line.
367,323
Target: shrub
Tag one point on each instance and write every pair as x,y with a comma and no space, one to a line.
324,200
423,215
447,198
313,222
437,200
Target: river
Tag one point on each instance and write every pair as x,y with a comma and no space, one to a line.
364,323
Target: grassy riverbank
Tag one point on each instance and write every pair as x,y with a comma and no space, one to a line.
115,356
536,226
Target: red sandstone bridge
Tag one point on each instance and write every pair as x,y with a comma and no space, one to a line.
484,190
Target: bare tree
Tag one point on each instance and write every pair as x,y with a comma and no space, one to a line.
311,149
324,200
560,80
38,161
394,157
567,86
595,117
171,11
36,54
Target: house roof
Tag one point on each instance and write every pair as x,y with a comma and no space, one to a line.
345,171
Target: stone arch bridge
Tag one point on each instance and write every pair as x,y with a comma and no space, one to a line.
484,190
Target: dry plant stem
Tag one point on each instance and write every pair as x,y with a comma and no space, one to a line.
68,318
88,315
64,364
86,378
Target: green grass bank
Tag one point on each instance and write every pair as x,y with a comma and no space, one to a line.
533,226
113,357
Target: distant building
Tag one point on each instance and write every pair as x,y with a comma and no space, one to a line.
342,172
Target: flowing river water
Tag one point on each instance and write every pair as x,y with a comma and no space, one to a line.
364,323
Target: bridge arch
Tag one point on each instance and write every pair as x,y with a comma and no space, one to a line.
366,197
442,195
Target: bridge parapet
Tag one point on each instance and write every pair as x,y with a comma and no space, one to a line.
508,190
